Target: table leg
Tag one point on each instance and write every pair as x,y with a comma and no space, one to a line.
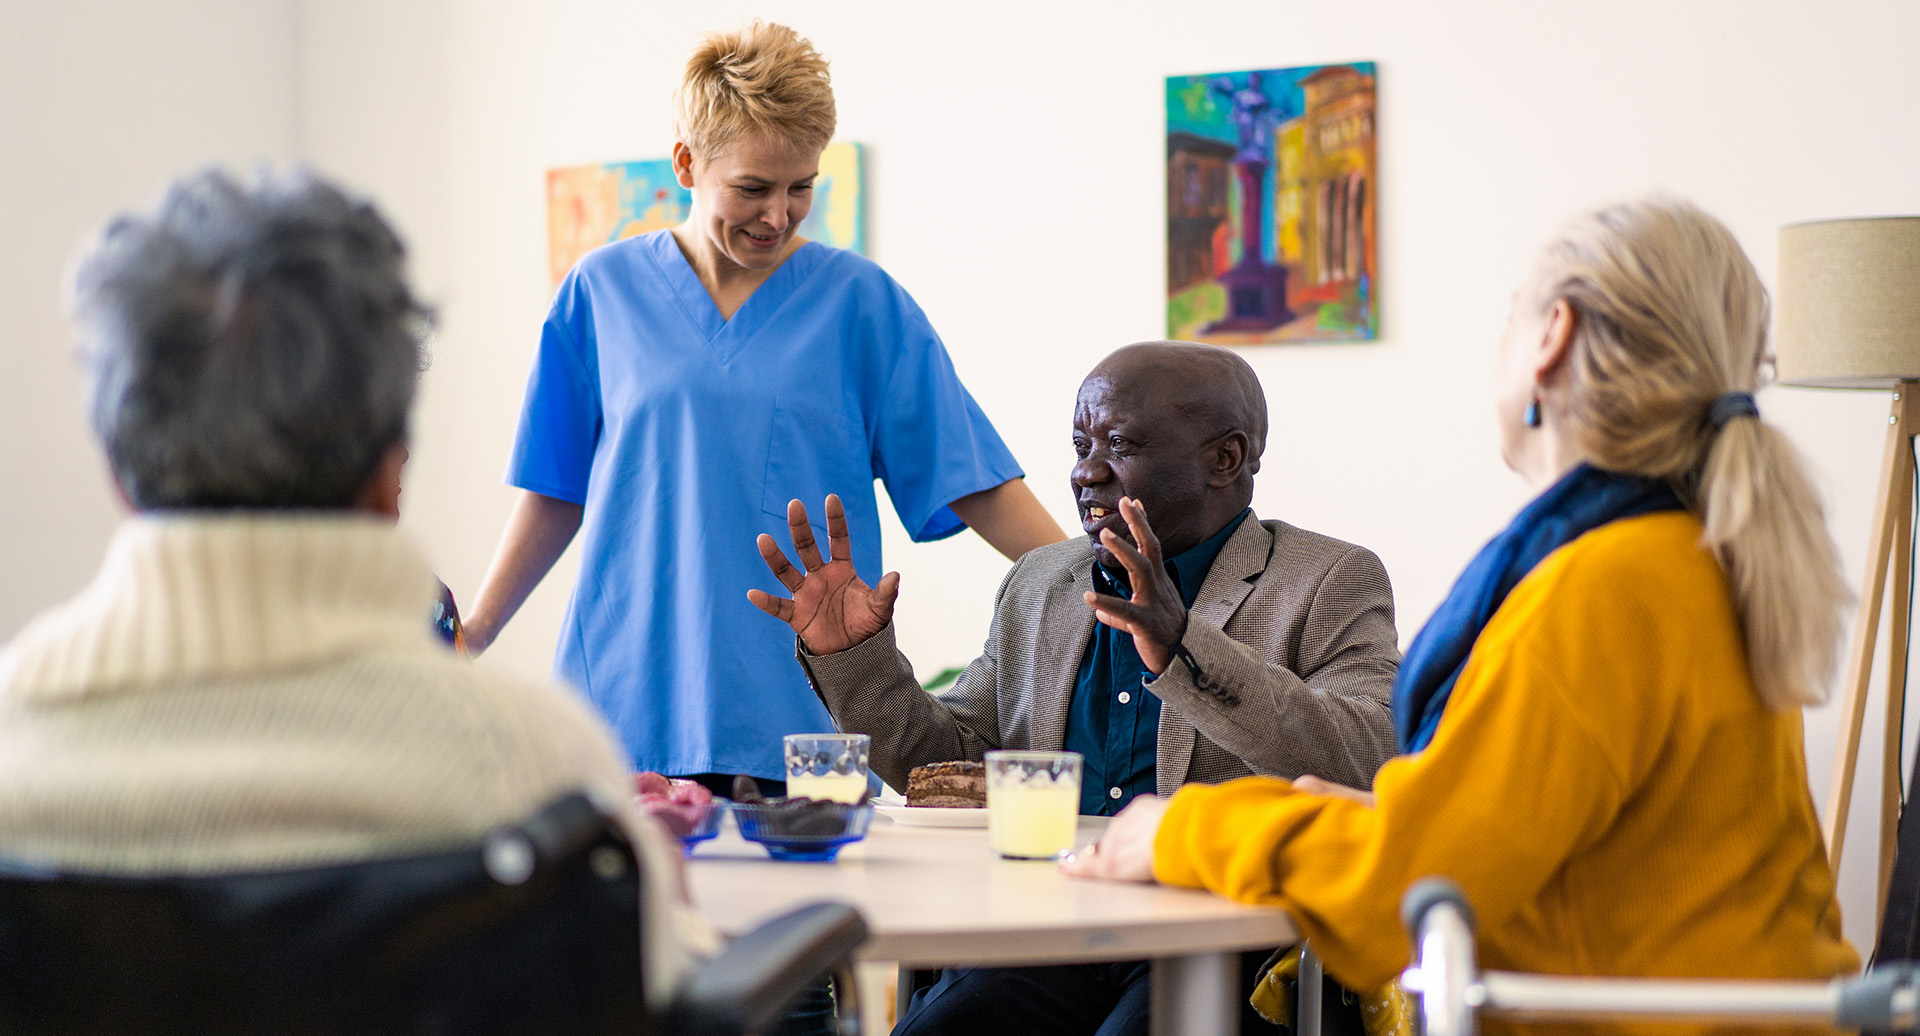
903,993
876,996
1307,1004
1196,995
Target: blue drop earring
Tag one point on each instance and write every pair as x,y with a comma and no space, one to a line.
1533,413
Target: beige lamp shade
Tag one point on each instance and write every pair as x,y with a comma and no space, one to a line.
1848,303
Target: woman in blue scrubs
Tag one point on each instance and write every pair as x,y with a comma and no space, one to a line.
688,384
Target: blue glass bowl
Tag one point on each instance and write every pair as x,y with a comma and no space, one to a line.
813,835
706,829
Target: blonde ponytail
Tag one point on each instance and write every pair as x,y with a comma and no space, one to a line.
1764,523
1672,316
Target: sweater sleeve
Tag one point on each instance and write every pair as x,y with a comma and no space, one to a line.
1515,782
553,741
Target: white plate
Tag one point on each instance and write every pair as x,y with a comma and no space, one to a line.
932,816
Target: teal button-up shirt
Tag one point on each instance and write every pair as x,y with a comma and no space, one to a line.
1114,720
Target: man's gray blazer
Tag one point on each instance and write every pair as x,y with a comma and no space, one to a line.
1292,635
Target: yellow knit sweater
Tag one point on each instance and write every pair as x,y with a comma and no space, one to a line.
1606,785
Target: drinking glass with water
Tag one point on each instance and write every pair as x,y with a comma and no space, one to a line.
827,766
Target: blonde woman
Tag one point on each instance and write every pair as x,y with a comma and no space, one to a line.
1604,715
688,384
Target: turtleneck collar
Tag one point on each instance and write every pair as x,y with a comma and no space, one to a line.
206,595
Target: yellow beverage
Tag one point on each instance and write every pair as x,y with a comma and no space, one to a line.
1033,820
839,787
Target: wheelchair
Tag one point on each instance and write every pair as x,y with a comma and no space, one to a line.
535,930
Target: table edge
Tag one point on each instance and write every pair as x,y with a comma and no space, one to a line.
1084,944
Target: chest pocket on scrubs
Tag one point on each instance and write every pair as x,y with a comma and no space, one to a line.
812,452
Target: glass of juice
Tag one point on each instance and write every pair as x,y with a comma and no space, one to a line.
1033,803
827,766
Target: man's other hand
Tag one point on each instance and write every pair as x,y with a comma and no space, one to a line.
1155,615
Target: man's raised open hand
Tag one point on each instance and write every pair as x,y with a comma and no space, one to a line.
831,608
1155,614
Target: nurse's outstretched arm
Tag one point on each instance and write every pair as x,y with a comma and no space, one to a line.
1009,517
537,533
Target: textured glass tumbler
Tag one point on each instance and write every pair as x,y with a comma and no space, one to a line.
1033,803
827,766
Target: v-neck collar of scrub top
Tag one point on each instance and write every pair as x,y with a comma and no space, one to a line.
726,336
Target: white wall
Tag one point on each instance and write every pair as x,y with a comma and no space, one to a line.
101,102
1015,161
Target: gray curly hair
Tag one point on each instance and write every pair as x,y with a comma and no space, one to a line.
248,346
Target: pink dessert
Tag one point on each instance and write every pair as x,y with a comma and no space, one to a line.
682,807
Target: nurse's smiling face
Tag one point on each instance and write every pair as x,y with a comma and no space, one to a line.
749,200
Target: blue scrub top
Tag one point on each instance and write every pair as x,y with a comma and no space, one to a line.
684,435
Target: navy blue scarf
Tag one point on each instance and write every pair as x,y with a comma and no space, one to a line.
1585,499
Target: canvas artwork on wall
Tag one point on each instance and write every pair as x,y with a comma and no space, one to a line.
1270,206
592,205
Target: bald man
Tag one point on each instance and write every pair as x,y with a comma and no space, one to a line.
1183,639
1284,639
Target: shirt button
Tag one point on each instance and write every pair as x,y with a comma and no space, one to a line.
1125,697
1113,793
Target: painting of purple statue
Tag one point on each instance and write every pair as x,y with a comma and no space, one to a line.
1270,206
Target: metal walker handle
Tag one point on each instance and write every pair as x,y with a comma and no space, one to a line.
1453,992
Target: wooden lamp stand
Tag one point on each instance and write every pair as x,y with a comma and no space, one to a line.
1847,316
1889,544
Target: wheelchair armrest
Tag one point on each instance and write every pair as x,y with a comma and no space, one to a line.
760,974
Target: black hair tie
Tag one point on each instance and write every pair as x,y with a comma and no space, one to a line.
1730,406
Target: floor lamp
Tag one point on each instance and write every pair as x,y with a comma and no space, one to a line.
1848,307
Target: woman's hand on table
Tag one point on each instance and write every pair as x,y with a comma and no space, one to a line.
1315,786
832,609
1125,851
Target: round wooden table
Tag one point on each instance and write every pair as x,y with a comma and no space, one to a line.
938,897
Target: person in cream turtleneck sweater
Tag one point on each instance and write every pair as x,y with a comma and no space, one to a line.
250,681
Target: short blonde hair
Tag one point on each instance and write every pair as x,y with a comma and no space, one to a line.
1671,315
761,79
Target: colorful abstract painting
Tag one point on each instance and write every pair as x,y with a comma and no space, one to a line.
1270,206
592,205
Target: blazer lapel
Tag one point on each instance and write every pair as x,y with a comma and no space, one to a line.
1230,581
1228,584
1066,624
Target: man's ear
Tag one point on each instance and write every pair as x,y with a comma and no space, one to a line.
381,494
1229,458
683,164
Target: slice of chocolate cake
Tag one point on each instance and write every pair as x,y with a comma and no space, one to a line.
957,785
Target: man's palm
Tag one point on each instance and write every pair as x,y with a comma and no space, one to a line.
832,608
